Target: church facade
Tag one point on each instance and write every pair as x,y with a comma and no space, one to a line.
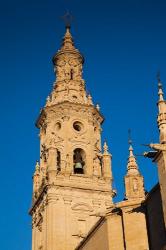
72,203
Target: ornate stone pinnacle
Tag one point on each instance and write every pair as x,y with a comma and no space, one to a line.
97,107
161,119
68,40
132,167
48,98
105,147
160,92
37,167
131,151
90,100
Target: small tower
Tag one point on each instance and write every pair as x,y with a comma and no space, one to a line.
73,179
134,182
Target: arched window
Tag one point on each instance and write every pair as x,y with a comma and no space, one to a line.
79,161
58,160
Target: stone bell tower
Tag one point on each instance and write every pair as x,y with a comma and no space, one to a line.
134,182
72,182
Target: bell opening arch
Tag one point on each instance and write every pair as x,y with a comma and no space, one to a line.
79,160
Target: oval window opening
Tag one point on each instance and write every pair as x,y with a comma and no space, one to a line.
77,126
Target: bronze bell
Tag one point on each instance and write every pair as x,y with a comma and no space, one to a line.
78,165
78,168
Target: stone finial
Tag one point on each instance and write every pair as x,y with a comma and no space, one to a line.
105,147
90,100
98,107
160,90
107,163
48,100
37,168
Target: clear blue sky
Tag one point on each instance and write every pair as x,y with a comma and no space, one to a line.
124,44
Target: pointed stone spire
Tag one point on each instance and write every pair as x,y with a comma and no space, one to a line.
161,120
134,182
160,90
89,100
105,147
132,167
67,40
68,47
37,168
98,107
67,43
107,163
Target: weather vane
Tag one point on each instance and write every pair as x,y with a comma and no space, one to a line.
67,18
129,137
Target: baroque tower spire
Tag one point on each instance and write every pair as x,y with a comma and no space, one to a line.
69,84
134,182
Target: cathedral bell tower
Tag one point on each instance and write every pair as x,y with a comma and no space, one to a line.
73,180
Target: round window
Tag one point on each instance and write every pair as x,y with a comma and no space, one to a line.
77,126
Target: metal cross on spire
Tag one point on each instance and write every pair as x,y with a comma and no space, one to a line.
67,18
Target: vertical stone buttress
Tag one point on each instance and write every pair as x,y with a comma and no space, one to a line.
73,179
